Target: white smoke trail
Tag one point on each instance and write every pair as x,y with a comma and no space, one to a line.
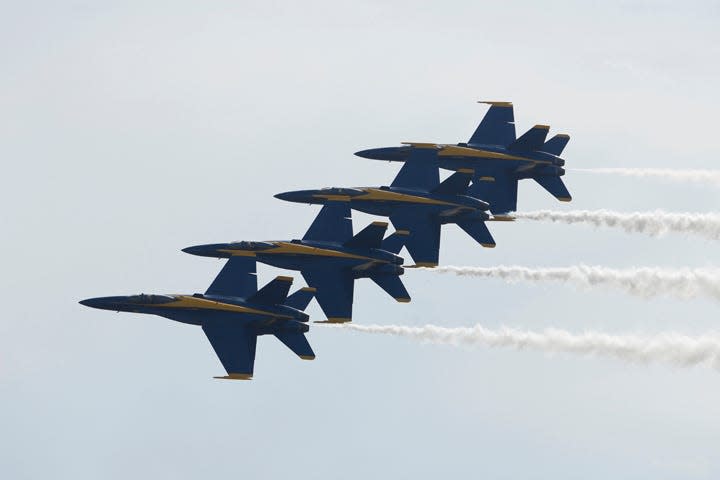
651,223
673,348
684,283
698,176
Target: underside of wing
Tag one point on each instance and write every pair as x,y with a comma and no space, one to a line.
334,292
235,347
423,240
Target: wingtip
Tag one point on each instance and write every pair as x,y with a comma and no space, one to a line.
495,103
565,199
402,299
236,376
307,357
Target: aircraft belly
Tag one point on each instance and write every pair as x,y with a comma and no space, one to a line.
380,208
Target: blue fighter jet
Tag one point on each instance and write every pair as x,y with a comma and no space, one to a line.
232,313
498,159
330,258
417,202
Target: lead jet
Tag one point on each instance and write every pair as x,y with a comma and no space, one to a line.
330,258
232,313
498,158
416,202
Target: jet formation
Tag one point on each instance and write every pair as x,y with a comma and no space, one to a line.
484,187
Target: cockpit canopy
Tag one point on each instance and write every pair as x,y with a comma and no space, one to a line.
245,245
144,299
350,192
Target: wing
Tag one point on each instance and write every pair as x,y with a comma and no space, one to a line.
499,190
236,279
420,171
497,126
533,139
235,347
274,293
334,292
423,242
333,223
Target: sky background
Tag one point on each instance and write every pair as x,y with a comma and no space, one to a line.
129,130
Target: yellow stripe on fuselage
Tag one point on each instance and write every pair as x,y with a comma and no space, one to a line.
377,194
196,303
288,248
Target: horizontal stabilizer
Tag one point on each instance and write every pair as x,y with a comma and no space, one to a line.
455,184
500,191
556,187
332,224
274,293
421,170
300,299
556,144
497,126
393,286
297,342
236,279
479,231
369,237
531,140
395,242
334,292
235,347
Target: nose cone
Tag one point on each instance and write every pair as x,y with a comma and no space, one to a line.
209,250
104,303
298,196
392,154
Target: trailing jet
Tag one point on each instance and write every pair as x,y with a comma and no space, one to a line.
417,202
498,158
330,258
232,313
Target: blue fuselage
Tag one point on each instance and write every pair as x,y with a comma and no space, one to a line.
199,309
386,201
483,159
307,254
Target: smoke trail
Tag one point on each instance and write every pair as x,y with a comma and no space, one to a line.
673,348
645,282
699,176
651,223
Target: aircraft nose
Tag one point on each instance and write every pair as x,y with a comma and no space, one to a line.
299,196
104,303
386,153
201,250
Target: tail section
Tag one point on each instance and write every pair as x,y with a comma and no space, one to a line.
301,299
497,126
393,286
531,140
298,343
555,186
479,231
455,184
556,144
274,293
499,190
369,237
395,242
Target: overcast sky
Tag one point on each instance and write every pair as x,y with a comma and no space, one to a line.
130,130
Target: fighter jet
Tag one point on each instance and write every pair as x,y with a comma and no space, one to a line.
498,159
232,313
417,202
330,258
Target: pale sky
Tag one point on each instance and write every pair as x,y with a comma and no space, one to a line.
130,130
